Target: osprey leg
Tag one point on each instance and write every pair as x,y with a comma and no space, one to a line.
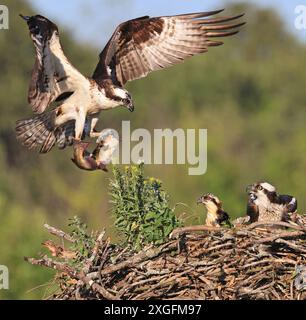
79,125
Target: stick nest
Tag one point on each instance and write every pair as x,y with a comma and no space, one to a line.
246,262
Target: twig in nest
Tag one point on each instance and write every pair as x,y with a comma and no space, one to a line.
58,251
103,258
279,224
282,235
177,232
95,252
97,246
59,233
72,273
138,258
291,245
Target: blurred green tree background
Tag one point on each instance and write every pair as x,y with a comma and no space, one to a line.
250,95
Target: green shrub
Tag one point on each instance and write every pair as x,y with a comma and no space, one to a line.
141,208
84,242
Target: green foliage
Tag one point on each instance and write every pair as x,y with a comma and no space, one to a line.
84,242
141,208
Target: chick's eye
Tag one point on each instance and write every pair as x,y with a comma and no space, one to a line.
259,187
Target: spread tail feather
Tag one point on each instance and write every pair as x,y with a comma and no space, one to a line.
38,131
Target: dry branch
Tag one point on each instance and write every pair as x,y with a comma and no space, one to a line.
245,262
59,233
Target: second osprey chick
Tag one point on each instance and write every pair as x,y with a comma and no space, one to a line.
265,204
215,213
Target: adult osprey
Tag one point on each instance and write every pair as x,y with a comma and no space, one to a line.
265,204
136,48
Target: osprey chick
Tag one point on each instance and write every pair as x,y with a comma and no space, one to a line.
265,204
215,213
136,48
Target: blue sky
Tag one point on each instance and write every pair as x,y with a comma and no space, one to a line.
94,20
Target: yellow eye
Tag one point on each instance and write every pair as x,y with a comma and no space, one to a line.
259,187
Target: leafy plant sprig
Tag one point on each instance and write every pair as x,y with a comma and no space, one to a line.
84,242
141,208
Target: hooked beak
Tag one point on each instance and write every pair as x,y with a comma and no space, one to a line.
131,107
251,192
26,18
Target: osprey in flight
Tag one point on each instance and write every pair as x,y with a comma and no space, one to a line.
265,204
136,48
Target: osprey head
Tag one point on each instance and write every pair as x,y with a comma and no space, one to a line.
40,26
124,97
262,193
210,201
128,102
215,213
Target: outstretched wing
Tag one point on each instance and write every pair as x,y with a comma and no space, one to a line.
53,77
146,44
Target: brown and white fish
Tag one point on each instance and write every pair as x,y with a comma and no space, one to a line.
107,144
86,160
